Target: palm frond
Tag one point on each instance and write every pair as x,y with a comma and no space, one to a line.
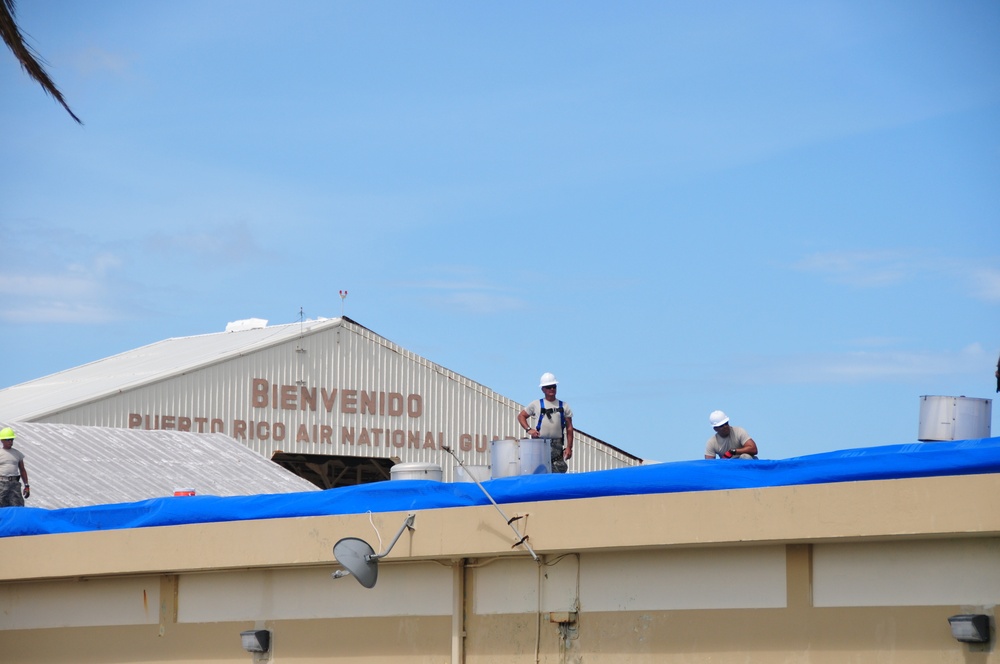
30,61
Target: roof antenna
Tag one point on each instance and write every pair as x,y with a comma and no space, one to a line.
298,346
521,539
359,558
343,296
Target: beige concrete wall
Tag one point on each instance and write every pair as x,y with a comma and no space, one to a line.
851,572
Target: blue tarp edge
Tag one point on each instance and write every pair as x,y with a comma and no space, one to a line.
919,459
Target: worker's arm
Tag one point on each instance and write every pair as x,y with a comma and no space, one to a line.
24,478
568,447
522,419
749,447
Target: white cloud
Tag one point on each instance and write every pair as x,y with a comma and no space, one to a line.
58,312
985,283
466,292
95,60
479,302
77,296
48,285
229,243
868,366
75,293
876,269
865,269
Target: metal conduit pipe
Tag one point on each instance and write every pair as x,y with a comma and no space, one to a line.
458,612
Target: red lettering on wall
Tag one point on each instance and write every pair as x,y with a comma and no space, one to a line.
395,404
369,402
309,398
414,405
258,397
289,397
329,398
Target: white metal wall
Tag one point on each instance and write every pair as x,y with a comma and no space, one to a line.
339,390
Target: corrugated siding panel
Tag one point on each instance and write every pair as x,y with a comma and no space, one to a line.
445,408
72,466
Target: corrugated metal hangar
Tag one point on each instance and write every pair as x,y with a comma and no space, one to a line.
75,466
328,399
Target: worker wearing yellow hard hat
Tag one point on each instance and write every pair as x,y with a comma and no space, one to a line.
12,472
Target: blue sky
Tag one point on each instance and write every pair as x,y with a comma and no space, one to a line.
789,211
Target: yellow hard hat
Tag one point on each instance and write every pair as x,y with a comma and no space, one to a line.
7,434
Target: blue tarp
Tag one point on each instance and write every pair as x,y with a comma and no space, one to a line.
966,457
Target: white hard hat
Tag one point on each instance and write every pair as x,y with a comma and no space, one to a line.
547,379
717,418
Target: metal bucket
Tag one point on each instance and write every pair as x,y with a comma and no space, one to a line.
954,418
472,473
528,456
416,471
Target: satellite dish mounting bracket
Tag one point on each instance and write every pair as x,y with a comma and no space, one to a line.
360,560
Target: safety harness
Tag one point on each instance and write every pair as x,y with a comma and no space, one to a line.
542,410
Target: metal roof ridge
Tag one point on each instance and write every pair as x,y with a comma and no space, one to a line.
145,379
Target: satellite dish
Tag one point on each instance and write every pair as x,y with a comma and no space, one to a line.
358,558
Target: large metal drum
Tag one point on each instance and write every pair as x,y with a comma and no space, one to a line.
527,456
472,473
416,471
954,418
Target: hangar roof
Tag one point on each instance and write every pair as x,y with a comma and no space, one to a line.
79,466
157,361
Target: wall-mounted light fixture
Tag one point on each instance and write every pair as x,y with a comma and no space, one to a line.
256,640
970,627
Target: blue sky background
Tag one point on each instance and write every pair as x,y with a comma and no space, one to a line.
789,211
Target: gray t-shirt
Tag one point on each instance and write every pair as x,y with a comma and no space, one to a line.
9,460
717,445
551,423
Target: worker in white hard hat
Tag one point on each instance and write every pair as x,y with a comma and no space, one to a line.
12,472
728,442
553,419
